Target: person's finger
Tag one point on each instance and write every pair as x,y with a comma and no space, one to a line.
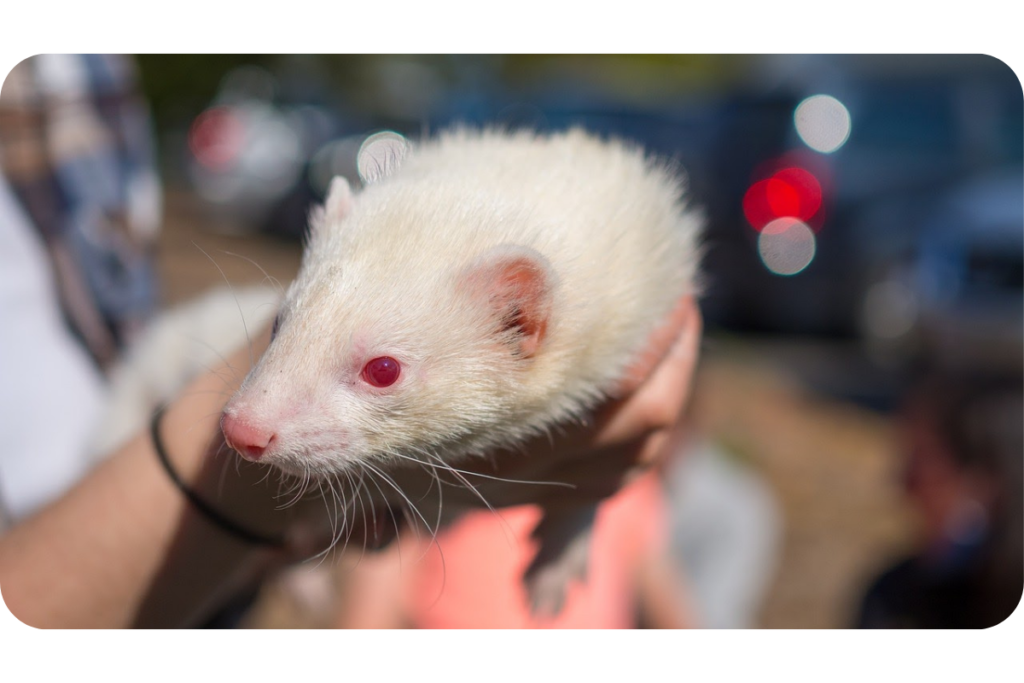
657,403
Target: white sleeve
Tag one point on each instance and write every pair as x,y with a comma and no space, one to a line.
50,391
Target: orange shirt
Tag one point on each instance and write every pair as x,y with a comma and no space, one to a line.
475,579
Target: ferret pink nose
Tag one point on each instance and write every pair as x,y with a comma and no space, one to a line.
249,440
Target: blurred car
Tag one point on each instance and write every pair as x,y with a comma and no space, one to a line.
957,297
248,154
913,129
916,129
720,140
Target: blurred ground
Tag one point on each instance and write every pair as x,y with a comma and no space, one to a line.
831,464
833,468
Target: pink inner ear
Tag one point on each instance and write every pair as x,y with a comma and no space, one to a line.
339,199
517,285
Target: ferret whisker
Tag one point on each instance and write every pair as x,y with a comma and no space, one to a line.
267,276
409,508
506,527
331,508
362,510
422,464
355,499
241,315
346,502
337,528
205,392
373,517
489,476
215,369
321,557
435,478
297,491
412,506
341,503
287,485
223,470
332,515
266,475
443,466
308,483
509,534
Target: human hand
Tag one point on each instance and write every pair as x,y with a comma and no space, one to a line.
583,463
623,438
579,465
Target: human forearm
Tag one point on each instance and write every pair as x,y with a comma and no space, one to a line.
124,547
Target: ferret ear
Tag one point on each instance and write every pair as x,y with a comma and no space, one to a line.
335,208
339,199
516,285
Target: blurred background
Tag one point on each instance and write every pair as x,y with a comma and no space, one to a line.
865,236
903,173
864,218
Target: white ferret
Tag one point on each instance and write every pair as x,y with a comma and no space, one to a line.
487,287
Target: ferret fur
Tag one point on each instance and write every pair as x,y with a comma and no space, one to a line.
175,347
588,243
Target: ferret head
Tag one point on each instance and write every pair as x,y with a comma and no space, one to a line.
401,338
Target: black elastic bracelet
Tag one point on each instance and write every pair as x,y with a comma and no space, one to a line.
201,505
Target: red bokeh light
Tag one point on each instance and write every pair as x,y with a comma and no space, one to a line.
790,192
215,138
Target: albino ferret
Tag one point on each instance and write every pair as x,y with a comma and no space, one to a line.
481,290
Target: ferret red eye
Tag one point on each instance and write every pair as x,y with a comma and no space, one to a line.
382,372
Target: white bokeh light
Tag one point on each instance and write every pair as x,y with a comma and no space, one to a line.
823,123
380,154
787,246
890,309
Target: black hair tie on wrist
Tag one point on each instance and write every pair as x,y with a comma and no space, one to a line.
202,506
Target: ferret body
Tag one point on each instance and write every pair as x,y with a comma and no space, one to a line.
487,288
177,345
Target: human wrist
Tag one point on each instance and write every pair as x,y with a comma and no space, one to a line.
210,473
209,511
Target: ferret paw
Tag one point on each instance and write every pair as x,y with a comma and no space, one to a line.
561,559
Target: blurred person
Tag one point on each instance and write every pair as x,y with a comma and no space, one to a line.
73,147
80,203
76,148
725,530
962,437
51,391
80,206
471,574
170,543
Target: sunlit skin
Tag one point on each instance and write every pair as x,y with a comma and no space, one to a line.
143,557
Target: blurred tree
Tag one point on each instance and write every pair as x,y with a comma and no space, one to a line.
179,86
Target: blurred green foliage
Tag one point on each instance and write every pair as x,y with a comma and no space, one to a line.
179,86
